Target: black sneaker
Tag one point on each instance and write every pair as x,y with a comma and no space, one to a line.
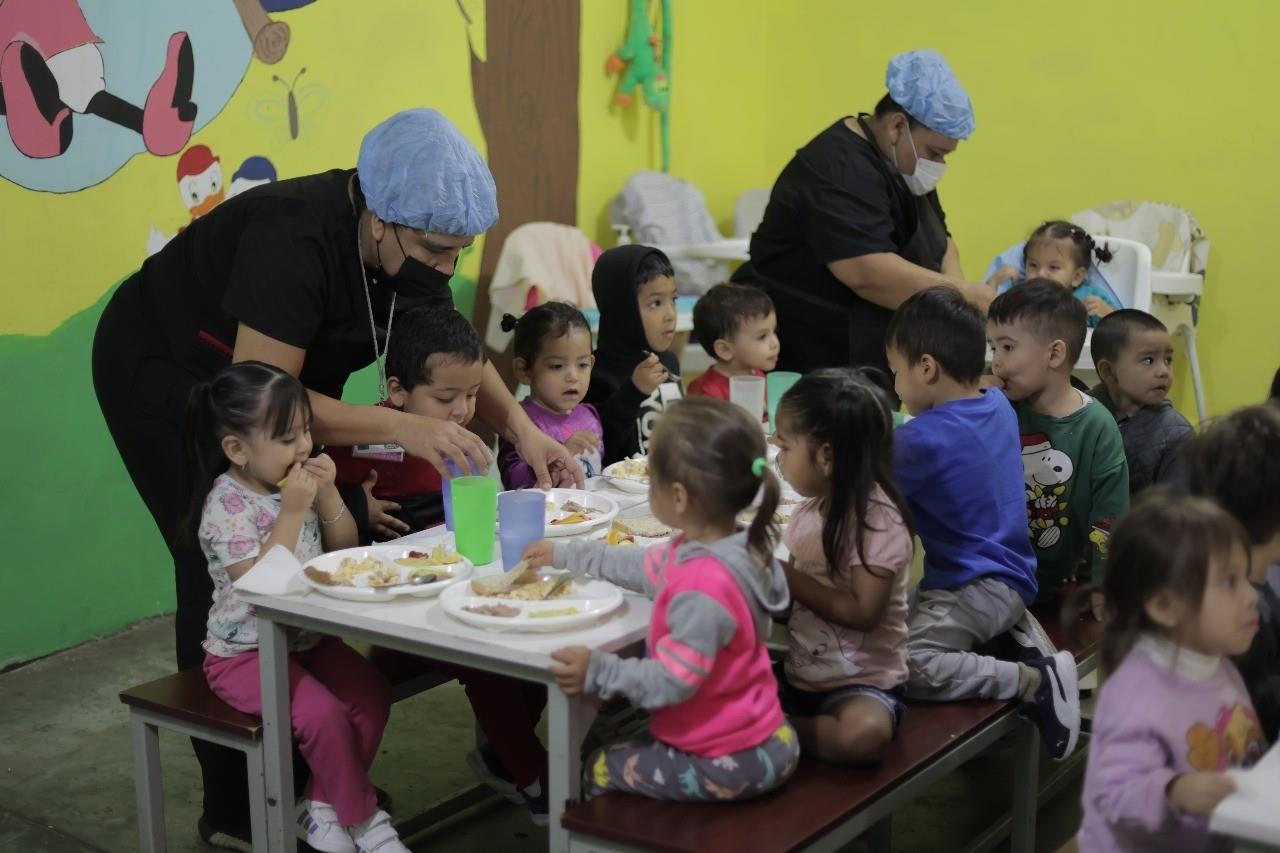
1055,708
489,770
224,838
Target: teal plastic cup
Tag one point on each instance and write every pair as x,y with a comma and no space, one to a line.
778,383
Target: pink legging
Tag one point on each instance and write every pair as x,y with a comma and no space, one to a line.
339,704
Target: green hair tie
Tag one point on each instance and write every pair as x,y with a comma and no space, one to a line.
758,466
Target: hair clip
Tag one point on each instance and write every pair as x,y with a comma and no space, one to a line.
758,466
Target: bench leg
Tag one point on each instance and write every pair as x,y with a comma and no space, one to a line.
257,796
148,786
1026,772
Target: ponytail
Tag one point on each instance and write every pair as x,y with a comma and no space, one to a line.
509,322
1101,252
762,535
205,460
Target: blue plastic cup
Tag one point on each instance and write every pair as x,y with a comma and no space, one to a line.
446,492
522,520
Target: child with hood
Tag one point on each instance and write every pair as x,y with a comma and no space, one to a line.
636,376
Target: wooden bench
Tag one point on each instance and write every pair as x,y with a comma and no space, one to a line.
183,703
823,806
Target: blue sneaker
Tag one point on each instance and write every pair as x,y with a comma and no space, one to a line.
1055,708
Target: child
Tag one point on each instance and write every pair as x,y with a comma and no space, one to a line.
1077,479
737,327
1062,253
248,438
635,376
434,367
1173,714
843,678
717,731
1134,357
553,357
1236,461
957,464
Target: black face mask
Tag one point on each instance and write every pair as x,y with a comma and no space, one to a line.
420,283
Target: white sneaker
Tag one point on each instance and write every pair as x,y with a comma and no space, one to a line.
377,834
317,824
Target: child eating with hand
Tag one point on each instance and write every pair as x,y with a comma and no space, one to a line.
635,376
553,357
1134,357
737,326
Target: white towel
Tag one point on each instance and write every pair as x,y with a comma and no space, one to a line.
275,574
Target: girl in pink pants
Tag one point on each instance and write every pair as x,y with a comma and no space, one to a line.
254,487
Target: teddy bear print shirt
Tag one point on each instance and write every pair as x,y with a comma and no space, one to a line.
1193,714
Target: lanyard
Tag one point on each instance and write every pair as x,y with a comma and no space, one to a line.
379,358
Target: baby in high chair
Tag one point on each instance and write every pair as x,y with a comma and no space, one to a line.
1063,252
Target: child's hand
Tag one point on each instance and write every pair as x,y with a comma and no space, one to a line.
649,374
323,469
379,521
1195,793
1096,307
571,669
539,554
582,441
1005,273
298,492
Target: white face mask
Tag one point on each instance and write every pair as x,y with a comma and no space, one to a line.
927,173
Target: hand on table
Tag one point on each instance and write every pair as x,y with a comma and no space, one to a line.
1197,793
570,669
380,522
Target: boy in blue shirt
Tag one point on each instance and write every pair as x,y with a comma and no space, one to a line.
959,467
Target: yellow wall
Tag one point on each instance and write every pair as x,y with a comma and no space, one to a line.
1079,104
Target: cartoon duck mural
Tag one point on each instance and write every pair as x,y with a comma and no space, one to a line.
200,180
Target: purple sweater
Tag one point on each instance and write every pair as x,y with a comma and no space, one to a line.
516,473
1164,711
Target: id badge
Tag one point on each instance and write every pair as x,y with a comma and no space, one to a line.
385,452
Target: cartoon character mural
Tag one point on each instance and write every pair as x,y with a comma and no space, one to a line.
85,85
202,189
1046,472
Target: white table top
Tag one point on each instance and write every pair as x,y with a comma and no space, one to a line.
423,622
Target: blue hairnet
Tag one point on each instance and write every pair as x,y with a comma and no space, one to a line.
922,83
417,169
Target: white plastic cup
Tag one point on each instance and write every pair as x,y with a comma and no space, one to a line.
748,392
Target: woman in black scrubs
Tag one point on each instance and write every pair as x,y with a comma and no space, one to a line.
854,226
307,274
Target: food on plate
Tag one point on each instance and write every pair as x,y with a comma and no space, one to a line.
644,526
748,515
525,585
365,572
571,518
631,469
550,614
618,536
437,556
505,611
435,573
576,513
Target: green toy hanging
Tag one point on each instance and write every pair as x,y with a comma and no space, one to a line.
644,60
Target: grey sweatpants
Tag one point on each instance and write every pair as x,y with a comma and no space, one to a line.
943,628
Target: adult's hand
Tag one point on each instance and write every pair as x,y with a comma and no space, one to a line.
436,440
977,294
552,463
380,519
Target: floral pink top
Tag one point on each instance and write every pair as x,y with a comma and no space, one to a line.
233,526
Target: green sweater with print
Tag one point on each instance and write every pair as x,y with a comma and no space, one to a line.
1077,484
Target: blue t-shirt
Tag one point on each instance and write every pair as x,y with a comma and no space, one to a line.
960,468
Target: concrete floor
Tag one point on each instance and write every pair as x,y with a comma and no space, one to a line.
66,779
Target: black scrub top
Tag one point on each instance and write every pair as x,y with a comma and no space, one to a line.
282,259
837,198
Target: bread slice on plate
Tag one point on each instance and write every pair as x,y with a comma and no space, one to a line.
644,526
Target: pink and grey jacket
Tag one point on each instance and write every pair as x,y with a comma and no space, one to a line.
706,676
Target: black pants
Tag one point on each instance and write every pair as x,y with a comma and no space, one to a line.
143,395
